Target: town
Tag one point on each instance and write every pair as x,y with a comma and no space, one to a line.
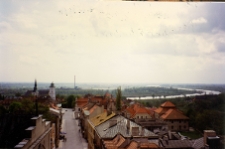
112,74
40,118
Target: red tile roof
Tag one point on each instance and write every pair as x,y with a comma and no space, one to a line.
148,145
173,114
102,100
161,110
115,143
168,111
138,109
168,104
132,145
80,102
142,145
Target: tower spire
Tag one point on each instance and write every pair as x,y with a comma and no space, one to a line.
35,86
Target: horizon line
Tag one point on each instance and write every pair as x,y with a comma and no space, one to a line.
115,83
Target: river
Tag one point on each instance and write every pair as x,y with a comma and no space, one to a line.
203,92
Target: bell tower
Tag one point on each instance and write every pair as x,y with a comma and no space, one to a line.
52,91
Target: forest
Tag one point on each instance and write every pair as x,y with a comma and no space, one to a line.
205,112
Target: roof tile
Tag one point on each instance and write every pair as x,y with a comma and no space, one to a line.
173,114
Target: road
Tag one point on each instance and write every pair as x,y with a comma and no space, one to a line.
71,128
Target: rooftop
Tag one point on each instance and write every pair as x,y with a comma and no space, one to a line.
173,114
168,104
95,121
138,109
196,144
124,126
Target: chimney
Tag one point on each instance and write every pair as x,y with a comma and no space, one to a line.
109,112
211,140
128,124
112,122
170,135
208,133
135,131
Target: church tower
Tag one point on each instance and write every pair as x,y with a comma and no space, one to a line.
35,91
35,86
52,91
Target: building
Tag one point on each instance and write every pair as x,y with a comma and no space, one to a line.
137,112
92,123
38,135
90,106
174,118
89,111
120,142
176,144
56,126
102,100
211,140
119,124
144,116
44,93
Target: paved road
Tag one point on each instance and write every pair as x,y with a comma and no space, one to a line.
74,138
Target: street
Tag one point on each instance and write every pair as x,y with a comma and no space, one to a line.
71,128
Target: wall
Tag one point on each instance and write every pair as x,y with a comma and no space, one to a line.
177,125
39,134
143,116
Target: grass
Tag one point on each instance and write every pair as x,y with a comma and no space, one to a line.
192,135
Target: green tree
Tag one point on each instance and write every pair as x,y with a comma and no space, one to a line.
118,98
27,106
70,101
15,107
18,94
43,109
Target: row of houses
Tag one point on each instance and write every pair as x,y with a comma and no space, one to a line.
135,126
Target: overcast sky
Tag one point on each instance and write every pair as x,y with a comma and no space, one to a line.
112,41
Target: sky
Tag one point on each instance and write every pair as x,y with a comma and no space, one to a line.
112,41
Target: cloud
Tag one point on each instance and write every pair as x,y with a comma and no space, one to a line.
111,41
220,47
199,21
4,26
